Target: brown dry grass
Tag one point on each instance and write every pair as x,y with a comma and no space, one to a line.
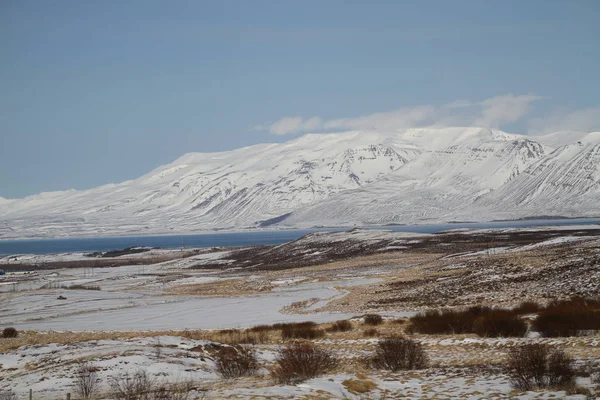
228,336
223,288
359,386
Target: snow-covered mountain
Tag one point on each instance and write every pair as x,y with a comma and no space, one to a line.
566,182
433,186
359,177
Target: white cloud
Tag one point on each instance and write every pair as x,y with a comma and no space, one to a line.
491,112
585,120
500,109
404,117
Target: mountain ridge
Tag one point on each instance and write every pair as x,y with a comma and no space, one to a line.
349,178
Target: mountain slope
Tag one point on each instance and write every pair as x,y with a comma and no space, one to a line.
566,182
359,177
431,187
214,190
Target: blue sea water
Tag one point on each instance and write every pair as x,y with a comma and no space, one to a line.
266,237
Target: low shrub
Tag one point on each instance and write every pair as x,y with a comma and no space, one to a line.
300,361
398,353
499,323
340,326
537,366
372,319
234,362
555,322
301,331
444,321
9,333
87,382
304,324
560,369
483,321
237,336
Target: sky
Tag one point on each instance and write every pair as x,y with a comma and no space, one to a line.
102,92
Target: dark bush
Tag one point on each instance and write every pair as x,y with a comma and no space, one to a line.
560,369
300,361
556,323
566,322
305,324
371,332
499,323
237,336
237,361
536,366
398,353
9,333
373,319
444,321
301,331
340,326
483,321
568,317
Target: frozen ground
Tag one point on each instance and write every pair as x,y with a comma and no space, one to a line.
134,298
50,370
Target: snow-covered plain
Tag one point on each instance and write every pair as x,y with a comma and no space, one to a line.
136,298
339,179
82,311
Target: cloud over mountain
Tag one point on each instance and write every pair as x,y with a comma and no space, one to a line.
492,113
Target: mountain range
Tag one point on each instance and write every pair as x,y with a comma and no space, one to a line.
425,175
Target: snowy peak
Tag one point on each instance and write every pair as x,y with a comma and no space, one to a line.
566,179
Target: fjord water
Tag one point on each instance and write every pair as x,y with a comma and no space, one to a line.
262,237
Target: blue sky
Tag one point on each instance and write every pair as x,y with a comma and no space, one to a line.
100,92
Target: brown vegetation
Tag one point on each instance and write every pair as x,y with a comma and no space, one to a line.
569,317
373,319
340,326
398,353
235,362
300,361
483,321
538,366
9,333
